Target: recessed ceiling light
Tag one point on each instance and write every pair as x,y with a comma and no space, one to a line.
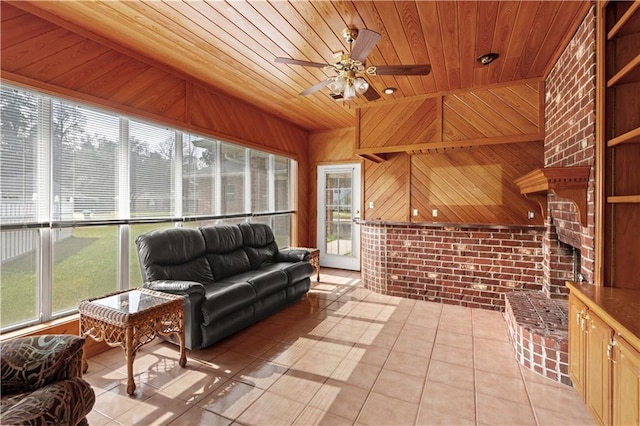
389,90
487,58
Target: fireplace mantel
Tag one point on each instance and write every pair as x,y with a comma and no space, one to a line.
566,182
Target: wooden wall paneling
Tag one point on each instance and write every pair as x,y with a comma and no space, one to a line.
401,123
385,184
492,112
474,185
468,189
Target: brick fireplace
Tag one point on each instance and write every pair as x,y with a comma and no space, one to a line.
519,270
538,320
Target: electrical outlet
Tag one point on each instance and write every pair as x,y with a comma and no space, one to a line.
531,214
434,212
370,204
415,212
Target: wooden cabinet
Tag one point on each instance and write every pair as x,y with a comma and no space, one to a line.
618,156
604,351
626,383
598,367
577,356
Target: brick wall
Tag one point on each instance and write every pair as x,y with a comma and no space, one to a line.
570,141
468,266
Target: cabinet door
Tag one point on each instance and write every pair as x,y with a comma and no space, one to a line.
598,376
577,311
626,384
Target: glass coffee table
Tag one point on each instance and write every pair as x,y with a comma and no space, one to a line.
130,319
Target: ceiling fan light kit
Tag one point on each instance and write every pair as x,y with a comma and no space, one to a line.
349,81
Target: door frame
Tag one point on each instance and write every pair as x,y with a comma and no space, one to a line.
332,261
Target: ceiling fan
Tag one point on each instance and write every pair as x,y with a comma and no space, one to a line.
350,70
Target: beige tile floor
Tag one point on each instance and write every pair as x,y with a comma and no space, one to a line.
343,355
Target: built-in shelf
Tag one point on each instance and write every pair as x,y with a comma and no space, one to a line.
632,136
566,182
629,23
628,74
621,199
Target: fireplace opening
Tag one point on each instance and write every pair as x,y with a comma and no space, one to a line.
577,265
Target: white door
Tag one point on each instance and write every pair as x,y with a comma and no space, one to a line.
338,206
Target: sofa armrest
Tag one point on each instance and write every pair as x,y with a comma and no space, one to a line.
195,294
292,255
176,287
29,363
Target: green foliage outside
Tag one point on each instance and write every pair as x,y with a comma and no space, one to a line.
85,265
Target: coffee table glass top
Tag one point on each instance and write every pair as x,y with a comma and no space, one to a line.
131,301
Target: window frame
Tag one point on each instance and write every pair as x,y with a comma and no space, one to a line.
45,223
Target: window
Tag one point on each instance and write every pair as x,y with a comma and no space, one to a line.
152,182
85,164
78,185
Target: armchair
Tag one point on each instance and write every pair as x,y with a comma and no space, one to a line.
41,381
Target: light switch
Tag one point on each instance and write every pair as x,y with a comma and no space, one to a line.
415,212
434,212
370,204
531,214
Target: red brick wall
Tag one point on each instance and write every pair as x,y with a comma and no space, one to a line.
468,266
570,141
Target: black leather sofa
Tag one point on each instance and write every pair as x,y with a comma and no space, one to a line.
231,275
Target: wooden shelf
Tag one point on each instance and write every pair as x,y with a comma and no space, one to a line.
566,182
622,199
632,136
628,74
629,23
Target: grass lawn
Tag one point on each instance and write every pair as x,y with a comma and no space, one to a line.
85,265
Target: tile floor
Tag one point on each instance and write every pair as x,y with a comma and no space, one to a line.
343,355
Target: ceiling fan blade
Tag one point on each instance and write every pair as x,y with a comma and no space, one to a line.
316,87
403,69
299,62
364,44
371,94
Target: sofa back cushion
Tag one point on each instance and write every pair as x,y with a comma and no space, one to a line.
224,250
173,254
259,243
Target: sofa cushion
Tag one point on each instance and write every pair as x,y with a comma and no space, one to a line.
295,271
224,250
173,254
222,298
259,244
264,282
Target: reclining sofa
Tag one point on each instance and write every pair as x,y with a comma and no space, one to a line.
231,276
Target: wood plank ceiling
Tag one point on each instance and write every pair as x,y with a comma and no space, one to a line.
231,45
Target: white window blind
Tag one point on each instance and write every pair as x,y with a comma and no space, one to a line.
199,164
21,183
152,153
85,163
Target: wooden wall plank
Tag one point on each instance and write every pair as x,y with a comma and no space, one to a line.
474,185
386,186
398,123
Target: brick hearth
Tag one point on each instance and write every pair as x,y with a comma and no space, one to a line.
538,329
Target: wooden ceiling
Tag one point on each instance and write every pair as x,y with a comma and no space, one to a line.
231,45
